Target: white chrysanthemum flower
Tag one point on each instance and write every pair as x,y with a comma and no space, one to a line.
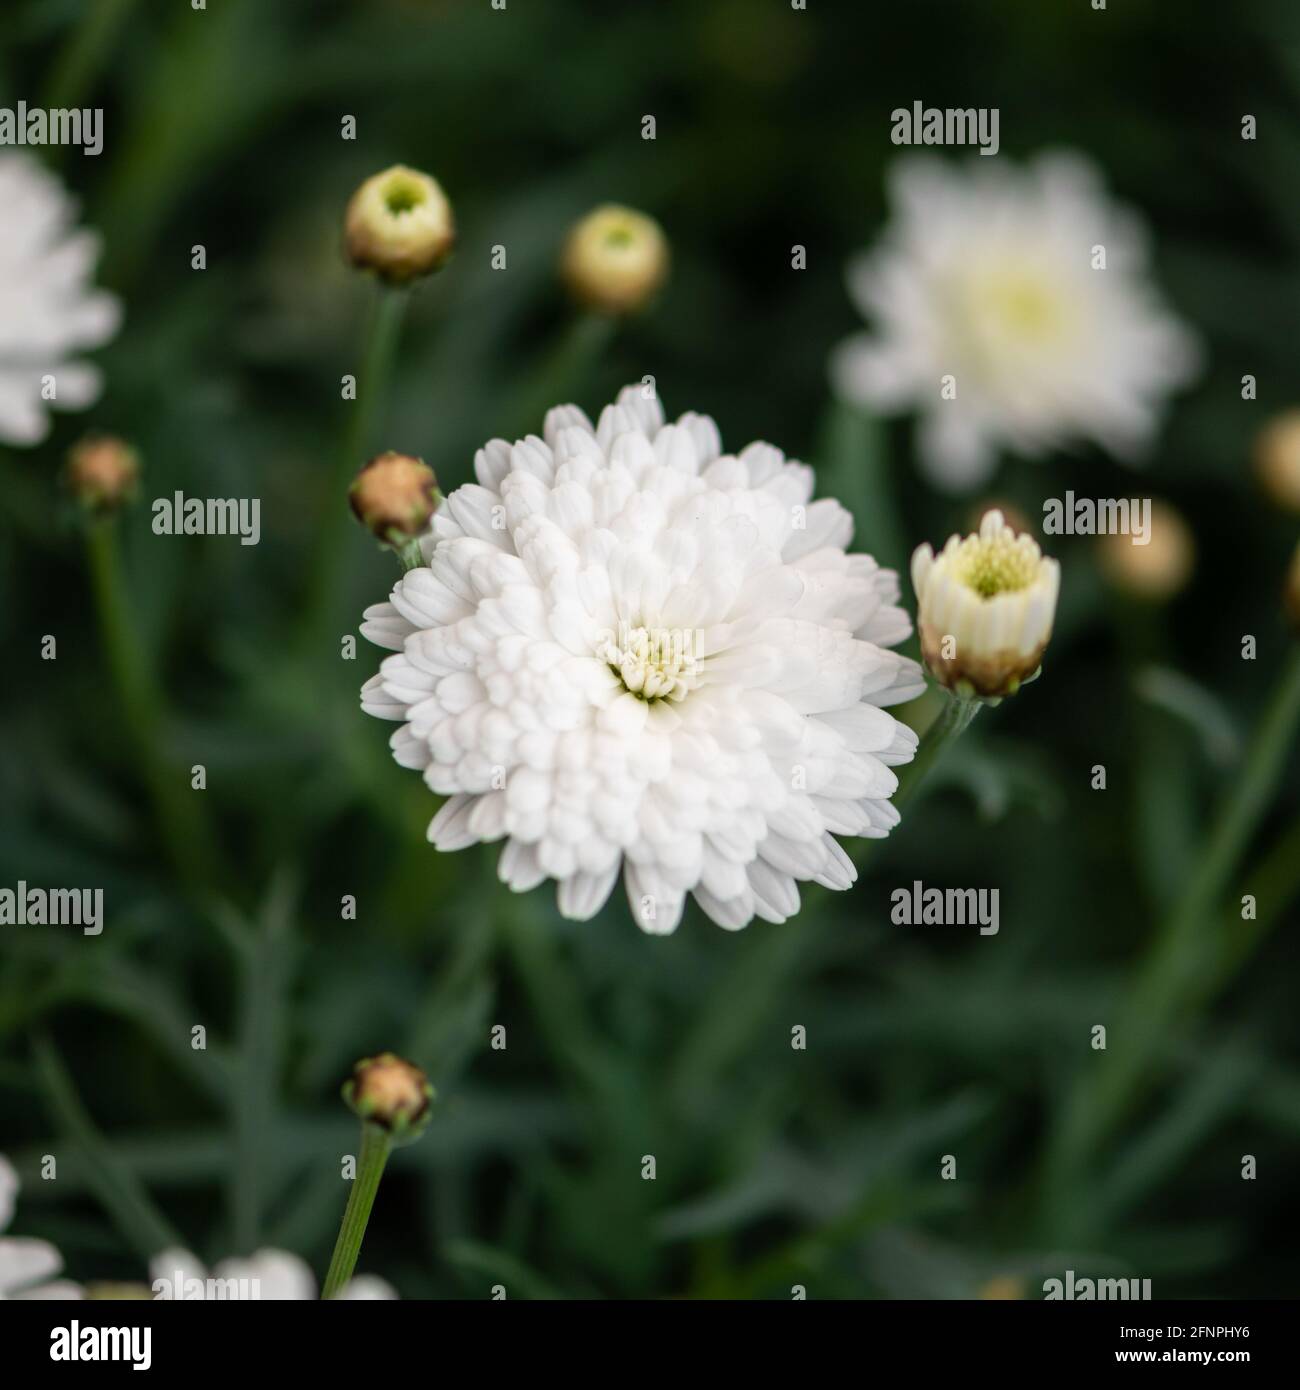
630,652
269,1275
48,308
985,607
27,1265
986,275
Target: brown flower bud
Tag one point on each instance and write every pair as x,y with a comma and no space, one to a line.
102,472
394,496
391,1093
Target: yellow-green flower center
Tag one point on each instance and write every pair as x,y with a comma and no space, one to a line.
1002,564
403,194
653,664
1008,304
1025,305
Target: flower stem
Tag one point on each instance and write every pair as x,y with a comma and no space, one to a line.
380,351
1173,976
560,372
142,707
409,555
853,446
376,1145
950,723
85,52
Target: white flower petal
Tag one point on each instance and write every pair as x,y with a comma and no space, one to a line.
990,321
634,672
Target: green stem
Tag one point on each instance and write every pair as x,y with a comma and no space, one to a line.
380,351
122,645
560,372
854,449
86,51
409,555
376,1145
1183,953
176,815
951,722
1275,883
113,1182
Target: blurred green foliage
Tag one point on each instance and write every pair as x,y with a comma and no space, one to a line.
774,1166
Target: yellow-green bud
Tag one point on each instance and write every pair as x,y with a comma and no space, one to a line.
1155,571
1277,459
399,224
102,472
394,497
984,609
391,1093
615,259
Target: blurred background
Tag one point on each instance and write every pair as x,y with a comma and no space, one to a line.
775,1166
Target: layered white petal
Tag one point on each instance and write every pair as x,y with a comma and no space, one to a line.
994,318
49,309
631,654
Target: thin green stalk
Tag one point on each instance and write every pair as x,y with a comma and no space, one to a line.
264,970
1275,884
86,51
560,372
409,555
379,354
951,722
376,1145
115,1185
176,815
953,719
852,448
1173,975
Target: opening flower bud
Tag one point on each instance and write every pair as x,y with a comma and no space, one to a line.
1157,570
1013,517
985,607
394,497
102,472
391,1093
399,224
615,259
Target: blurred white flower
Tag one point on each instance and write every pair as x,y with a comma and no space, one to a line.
985,608
49,308
269,1275
24,1262
629,651
987,274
